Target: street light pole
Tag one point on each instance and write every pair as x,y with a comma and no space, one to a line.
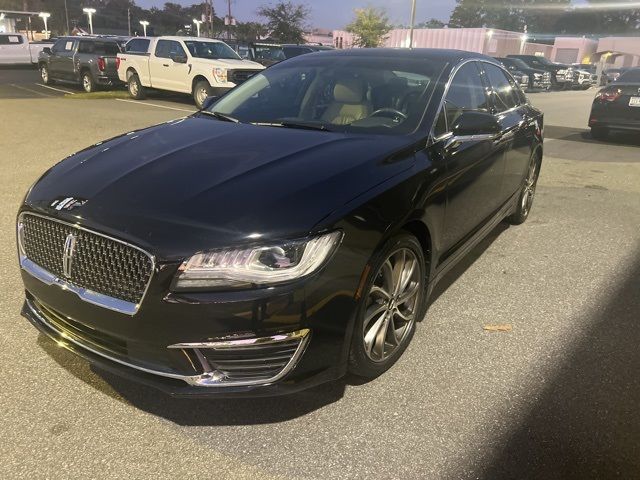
90,12
144,24
197,22
44,16
413,21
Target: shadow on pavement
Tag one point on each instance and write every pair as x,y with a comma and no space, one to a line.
586,423
583,135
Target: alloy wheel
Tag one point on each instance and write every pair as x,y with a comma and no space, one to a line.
391,304
44,74
86,83
530,187
133,87
202,95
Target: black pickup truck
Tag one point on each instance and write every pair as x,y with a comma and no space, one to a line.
90,62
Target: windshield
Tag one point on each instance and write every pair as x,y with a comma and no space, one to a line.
269,52
211,50
347,93
630,76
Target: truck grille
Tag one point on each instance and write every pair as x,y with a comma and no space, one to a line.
239,76
97,263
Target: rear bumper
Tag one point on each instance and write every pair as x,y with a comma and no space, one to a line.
107,81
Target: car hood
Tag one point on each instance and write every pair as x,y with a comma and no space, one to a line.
231,63
198,183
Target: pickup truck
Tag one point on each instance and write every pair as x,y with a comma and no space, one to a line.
563,77
88,61
200,66
15,49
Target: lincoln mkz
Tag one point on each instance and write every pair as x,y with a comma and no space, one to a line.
289,232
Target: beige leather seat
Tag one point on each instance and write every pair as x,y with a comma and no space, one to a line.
349,102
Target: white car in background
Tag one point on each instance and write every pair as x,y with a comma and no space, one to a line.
15,49
202,67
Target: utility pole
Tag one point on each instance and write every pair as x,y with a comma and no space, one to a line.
229,25
129,20
413,21
66,14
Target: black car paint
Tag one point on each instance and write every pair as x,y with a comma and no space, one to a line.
617,114
198,183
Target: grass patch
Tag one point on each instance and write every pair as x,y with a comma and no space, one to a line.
100,94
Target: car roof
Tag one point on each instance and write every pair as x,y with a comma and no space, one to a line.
186,39
418,53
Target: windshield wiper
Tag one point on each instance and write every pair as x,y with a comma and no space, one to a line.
290,124
221,116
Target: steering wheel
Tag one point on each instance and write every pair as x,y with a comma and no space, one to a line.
396,113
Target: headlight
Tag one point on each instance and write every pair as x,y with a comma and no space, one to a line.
537,76
256,266
525,79
220,74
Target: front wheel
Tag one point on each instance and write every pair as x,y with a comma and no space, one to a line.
201,90
393,300
88,85
44,75
527,193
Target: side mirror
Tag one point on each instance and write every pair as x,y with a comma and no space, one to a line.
179,58
47,50
208,102
475,123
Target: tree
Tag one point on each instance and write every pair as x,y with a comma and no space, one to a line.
432,23
370,27
250,31
286,21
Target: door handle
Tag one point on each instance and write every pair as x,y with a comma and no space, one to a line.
165,64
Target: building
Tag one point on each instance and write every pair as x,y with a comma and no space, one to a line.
614,51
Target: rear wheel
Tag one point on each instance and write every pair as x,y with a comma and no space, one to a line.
393,300
44,75
88,85
599,133
527,192
201,90
135,88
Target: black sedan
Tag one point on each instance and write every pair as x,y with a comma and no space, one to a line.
289,232
617,106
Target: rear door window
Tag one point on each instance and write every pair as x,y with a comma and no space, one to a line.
107,48
137,45
166,48
10,39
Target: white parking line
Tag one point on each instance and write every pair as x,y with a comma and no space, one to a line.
20,87
138,102
53,88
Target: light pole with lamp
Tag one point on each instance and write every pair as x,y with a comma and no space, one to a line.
144,24
413,21
90,12
197,22
44,16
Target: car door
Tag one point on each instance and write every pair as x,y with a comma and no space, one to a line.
473,163
165,73
13,49
61,63
516,138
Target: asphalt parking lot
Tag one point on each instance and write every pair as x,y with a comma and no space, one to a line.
555,397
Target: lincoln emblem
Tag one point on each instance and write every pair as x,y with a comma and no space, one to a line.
67,256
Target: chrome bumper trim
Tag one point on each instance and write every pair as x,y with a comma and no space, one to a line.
207,379
88,296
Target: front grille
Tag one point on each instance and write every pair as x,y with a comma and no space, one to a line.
99,263
239,76
546,77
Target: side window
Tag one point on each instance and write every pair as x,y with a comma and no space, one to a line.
10,39
140,45
86,47
504,96
107,48
166,48
58,46
466,94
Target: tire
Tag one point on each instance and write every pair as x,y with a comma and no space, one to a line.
527,192
44,75
135,88
600,133
371,355
87,83
201,90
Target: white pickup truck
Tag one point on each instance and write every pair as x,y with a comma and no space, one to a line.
15,49
200,66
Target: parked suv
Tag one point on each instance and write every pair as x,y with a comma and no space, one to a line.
90,61
538,79
562,76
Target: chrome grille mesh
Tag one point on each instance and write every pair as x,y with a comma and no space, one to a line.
100,264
